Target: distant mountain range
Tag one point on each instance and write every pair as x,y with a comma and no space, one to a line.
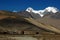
48,16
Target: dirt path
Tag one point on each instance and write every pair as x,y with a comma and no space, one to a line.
24,38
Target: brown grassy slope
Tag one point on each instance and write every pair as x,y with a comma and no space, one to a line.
42,25
13,21
50,21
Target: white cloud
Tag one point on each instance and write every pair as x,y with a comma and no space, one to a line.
14,11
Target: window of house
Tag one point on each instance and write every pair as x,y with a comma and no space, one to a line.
37,32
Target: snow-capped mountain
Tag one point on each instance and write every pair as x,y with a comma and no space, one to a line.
49,16
42,12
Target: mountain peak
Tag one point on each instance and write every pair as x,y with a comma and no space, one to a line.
43,12
52,9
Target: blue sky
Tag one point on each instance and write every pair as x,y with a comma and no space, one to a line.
19,5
